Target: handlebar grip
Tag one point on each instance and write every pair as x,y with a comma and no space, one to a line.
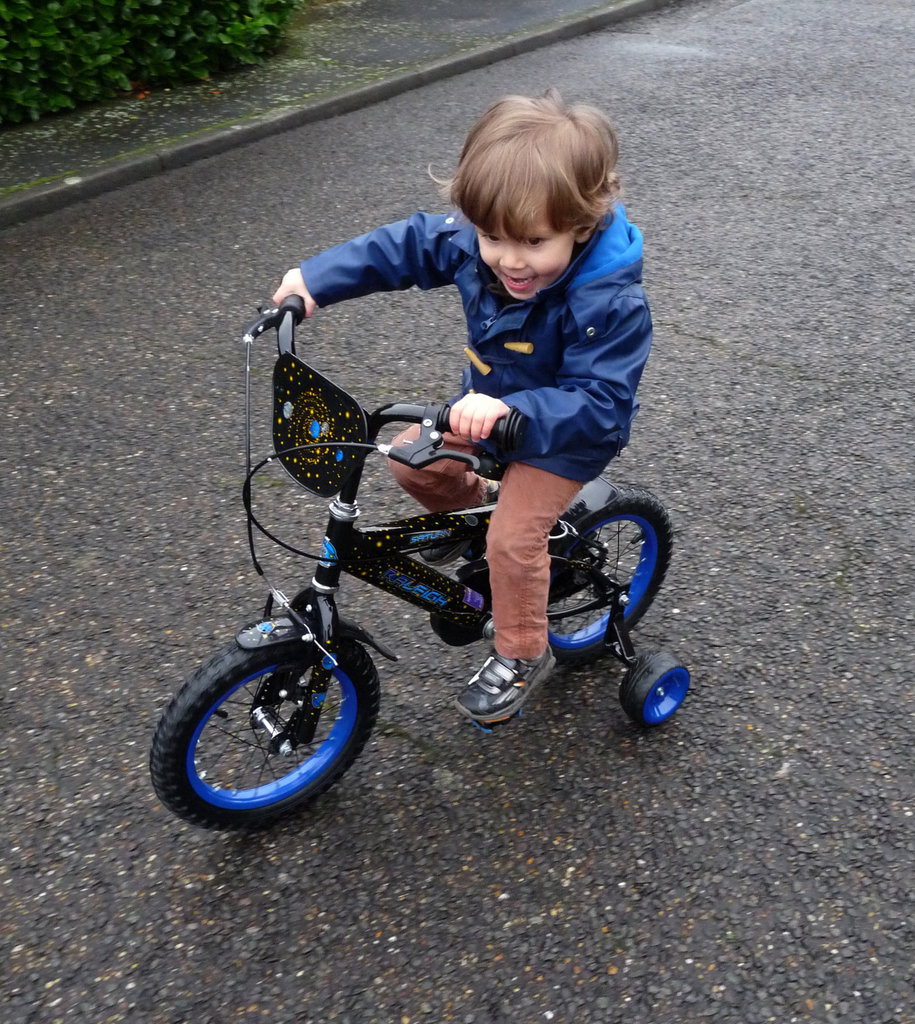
294,304
506,433
290,314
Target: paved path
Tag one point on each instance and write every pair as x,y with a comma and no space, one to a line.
750,863
339,55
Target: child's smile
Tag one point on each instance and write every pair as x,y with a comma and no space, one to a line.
525,266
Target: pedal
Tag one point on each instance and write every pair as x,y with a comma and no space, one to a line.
490,727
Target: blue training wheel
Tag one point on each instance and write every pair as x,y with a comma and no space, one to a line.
653,688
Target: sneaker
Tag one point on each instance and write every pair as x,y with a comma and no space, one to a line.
447,551
501,687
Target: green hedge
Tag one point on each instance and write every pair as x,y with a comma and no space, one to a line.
55,54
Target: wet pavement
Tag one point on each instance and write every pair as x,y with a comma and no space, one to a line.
339,55
750,862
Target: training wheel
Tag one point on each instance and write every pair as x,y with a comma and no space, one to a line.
653,688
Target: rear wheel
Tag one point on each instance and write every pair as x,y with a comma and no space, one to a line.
629,542
215,759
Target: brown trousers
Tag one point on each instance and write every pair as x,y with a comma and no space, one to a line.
530,502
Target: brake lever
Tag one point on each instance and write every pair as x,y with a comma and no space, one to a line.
425,456
424,451
427,448
265,321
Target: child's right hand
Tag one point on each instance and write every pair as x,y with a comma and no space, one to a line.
473,416
294,284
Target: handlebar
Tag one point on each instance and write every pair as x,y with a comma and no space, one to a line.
506,433
434,420
285,318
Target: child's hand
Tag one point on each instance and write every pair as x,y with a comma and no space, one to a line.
474,415
294,284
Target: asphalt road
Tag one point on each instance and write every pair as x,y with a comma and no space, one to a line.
752,861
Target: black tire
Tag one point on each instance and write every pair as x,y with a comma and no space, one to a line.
634,541
249,785
653,688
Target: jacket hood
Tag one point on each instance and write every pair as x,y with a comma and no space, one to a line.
617,245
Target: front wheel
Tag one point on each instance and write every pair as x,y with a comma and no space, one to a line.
628,540
214,763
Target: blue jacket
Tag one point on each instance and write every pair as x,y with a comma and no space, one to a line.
570,358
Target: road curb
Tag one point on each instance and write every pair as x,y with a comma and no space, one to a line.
37,200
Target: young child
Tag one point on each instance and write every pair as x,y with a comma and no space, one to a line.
549,271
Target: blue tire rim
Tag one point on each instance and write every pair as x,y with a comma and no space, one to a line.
300,777
666,695
595,631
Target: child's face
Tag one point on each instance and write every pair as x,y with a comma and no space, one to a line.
525,266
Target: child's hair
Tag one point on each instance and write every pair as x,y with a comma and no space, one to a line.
528,158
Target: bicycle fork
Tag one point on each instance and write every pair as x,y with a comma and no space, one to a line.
312,618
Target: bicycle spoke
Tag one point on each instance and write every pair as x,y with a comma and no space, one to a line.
234,756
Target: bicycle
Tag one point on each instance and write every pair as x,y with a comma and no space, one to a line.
277,718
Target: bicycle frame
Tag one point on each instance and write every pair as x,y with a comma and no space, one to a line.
313,415
376,554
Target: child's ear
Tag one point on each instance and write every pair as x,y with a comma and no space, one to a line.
585,233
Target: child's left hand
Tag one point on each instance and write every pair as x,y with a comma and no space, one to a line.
474,415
